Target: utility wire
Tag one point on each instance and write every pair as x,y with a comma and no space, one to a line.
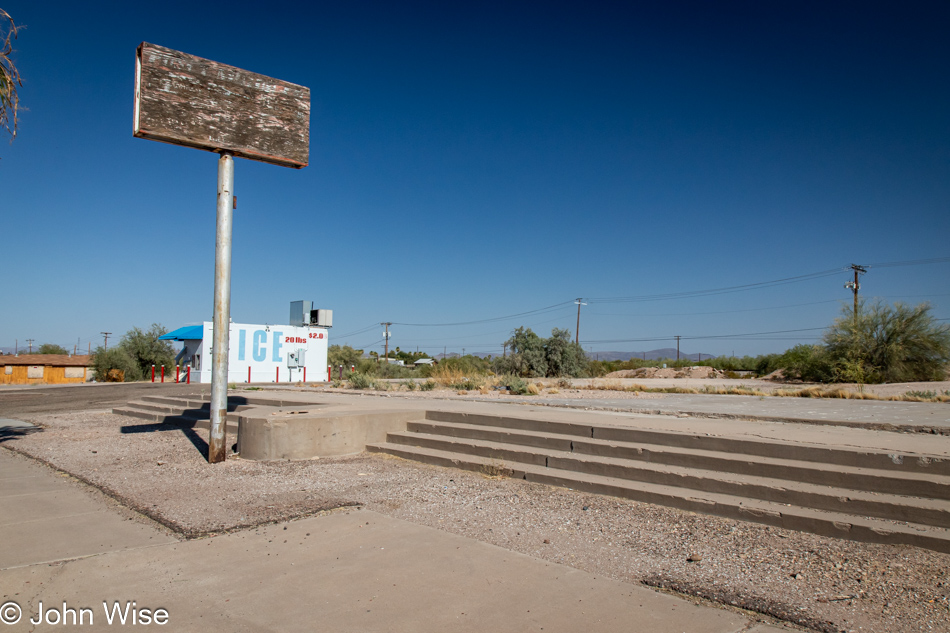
706,337
365,329
911,262
493,319
718,291
793,305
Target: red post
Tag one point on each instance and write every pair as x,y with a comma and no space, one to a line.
305,373
353,368
163,373
248,373
177,373
278,375
329,373
153,373
188,375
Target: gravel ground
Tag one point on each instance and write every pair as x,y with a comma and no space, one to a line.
820,583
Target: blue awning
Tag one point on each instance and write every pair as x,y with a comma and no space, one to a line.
187,333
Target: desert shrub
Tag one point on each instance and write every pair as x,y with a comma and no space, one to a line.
343,355
145,350
534,357
116,360
411,385
51,348
597,368
564,357
884,343
392,370
806,362
361,381
515,384
469,383
428,385
467,365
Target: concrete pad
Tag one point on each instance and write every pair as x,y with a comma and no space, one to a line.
39,506
47,518
356,571
60,538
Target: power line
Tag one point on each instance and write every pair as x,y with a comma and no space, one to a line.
490,320
360,331
704,337
717,291
791,305
911,262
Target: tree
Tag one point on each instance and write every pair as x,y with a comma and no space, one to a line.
9,79
885,343
806,362
135,354
532,356
51,348
115,358
527,357
146,350
564,357
345,355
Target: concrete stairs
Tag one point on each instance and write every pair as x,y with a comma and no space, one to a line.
181,411
855,494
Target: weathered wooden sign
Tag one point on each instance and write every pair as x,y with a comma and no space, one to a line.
186,100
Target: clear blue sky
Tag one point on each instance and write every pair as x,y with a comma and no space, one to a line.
478,161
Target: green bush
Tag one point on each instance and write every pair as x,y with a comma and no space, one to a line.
885,343
104,360
810,363
532,356
135,354
361,381
515,384
467,365
343,355
428,385
52,348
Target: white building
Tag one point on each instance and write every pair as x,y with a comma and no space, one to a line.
257,353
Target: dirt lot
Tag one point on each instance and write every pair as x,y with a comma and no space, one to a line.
821,583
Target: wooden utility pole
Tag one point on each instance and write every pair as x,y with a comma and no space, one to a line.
855,286
105,343
386,337
29,342
677,347
577,332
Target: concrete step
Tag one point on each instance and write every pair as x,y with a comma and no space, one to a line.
173,416
879,460
235,403
829,497
834,524
850,477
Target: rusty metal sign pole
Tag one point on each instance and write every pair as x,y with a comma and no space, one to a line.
217,450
